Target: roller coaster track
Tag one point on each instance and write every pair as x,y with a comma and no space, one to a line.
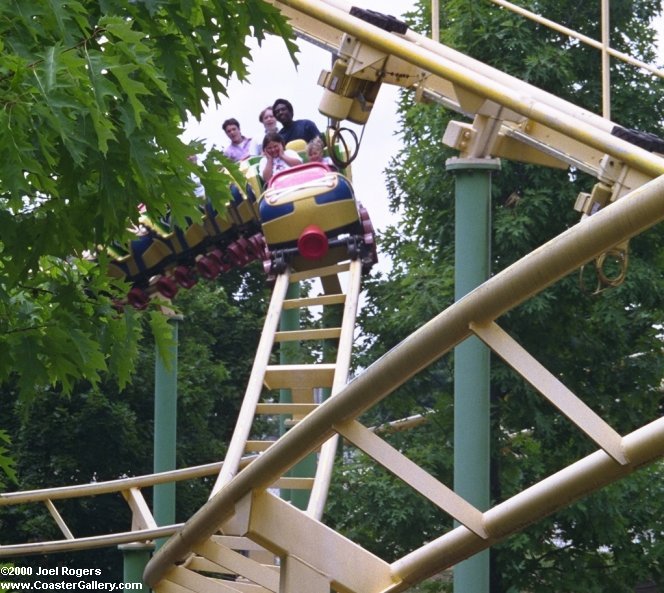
143,527
245,525
315,556
301,380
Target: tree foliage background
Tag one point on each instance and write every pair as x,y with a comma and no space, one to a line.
606,347
99,433
94,96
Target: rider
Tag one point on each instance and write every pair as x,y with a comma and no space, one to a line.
276,156
303,129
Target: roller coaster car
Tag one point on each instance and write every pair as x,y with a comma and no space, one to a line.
310,218
167,257
307,217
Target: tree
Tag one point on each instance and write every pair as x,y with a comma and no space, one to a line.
99,433
94,96
607,537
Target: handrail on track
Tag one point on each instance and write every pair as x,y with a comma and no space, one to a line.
445,64
109,486
603,46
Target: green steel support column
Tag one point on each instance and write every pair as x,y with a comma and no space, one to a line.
135,557
471,357
165,428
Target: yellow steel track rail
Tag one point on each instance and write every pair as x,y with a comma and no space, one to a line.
576,136
508,116
143,528
640,210
242,511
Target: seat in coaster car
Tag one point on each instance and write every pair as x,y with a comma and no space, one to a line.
299,174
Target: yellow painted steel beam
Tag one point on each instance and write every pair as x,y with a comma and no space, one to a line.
551,388
201,564
550,142
402,424
408,471
595,471
193,581
331,299
502,106
141,516
479,80
236,563
237,543
322,333
285,408
332,270
142,530
583,38
641,209
107,487
295,483
301,380
259,445
287,531
88,543
57,517
254,389
297,576
328,451
299,376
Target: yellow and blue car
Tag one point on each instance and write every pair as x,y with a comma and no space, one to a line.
306,217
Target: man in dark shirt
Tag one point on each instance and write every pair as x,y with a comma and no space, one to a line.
291,129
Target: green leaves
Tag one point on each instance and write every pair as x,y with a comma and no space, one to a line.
6,463
49,329
100,432
127,55
93,99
